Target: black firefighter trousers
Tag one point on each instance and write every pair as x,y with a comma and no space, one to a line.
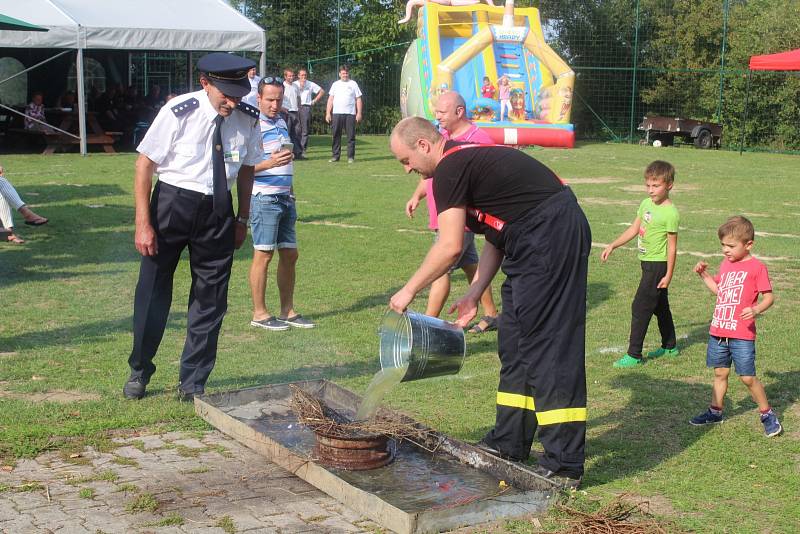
181,219
541,336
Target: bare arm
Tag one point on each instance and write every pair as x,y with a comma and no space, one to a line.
145,238
767,299
359,105
624,237
440,257
702,269
467,306
672,256
419,193
329,109
319,96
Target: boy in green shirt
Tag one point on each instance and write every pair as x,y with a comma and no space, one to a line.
656,226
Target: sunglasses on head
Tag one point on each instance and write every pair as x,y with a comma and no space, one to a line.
271,80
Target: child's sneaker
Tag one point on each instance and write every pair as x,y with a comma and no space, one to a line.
706,418
661,351
771,425
627,361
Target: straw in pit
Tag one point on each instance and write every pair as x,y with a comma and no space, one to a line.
322,419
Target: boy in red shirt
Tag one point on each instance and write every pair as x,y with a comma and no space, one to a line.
741,279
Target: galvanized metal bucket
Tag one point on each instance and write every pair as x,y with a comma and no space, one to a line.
425,346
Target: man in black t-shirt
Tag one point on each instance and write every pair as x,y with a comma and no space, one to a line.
538,234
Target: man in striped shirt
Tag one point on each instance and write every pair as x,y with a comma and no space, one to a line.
273,214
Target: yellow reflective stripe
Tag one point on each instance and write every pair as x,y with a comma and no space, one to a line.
564,415
514,400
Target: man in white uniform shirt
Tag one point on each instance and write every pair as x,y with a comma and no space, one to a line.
291,105
343,112
198,146
310,94
252,97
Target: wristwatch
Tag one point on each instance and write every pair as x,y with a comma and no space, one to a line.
242,220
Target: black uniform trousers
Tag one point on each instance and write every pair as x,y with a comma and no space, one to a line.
305,126
649,301
346,122
293,125
183,218
541,336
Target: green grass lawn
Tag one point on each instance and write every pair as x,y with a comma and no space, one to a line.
67,302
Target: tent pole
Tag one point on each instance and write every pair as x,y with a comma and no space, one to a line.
746,105
81,102
262,62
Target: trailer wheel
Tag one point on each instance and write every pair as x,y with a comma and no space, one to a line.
703,139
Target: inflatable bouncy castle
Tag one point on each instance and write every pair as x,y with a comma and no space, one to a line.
458,46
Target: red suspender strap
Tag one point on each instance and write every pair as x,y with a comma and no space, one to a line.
482,217
490,220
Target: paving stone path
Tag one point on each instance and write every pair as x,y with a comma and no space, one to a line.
169,483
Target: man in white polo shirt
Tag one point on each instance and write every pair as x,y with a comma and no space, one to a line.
343,112
291,105
310,94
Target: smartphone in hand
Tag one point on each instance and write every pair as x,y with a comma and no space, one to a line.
287,146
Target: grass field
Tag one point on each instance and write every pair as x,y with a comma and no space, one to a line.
67,296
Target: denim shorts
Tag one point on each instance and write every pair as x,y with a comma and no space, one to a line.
742,352
272,221
469,254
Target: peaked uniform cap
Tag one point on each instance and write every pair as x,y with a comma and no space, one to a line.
228,72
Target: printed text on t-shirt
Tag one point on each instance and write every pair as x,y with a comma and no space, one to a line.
729,295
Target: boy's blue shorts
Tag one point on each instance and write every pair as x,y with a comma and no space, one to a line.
742,352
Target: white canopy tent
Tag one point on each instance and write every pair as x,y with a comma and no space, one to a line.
185,25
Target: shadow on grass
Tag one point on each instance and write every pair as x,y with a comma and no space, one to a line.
327,217
654,425
77,238
380,300
59,190
596,294
82,333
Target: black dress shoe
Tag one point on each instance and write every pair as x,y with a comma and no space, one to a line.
134,389
565,482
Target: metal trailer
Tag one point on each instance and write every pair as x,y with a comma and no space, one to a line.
662,131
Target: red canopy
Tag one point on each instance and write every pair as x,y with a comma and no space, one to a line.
782,61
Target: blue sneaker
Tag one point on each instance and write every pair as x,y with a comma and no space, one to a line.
706,418
771,425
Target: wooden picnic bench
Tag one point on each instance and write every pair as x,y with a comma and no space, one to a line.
68,121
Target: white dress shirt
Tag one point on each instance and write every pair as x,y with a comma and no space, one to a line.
180,143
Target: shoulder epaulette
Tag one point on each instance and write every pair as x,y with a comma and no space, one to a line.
185,107
248,109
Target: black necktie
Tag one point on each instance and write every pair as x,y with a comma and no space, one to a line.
221,204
